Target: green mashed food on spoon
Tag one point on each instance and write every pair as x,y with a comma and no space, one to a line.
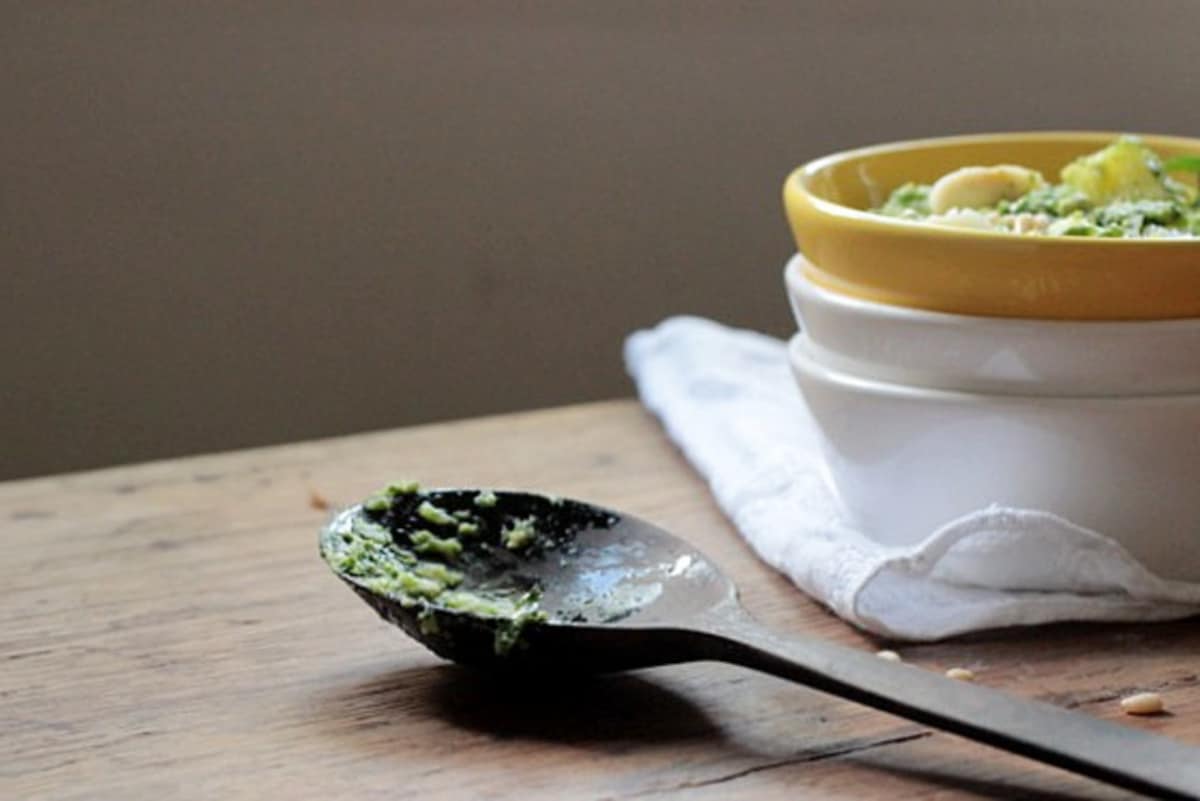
1122,191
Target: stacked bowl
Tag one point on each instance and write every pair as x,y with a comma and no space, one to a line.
949,369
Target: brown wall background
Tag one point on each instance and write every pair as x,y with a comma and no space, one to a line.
225,224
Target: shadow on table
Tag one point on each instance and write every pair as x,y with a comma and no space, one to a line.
618,708
622,712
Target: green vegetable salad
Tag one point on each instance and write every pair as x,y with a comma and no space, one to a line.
1124,190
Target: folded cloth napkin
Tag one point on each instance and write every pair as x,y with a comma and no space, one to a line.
728,400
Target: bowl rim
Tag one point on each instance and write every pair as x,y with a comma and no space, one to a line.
801,360
803,175
800,284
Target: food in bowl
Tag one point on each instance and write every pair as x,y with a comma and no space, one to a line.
855,251
1122,190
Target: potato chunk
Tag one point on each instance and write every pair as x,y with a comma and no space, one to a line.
1125,170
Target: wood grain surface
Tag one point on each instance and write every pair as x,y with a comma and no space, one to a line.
168,631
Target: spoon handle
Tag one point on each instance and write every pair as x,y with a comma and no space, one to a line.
1120,755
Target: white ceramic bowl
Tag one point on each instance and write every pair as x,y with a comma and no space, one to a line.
906,460
995,354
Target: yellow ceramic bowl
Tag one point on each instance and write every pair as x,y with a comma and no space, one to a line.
908,263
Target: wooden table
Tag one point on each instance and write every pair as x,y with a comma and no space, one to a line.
168,631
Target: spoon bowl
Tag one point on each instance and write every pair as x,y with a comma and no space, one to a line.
610,587
520,581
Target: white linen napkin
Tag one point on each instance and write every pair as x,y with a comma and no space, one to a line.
727,399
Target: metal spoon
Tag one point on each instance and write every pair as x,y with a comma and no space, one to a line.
618,593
